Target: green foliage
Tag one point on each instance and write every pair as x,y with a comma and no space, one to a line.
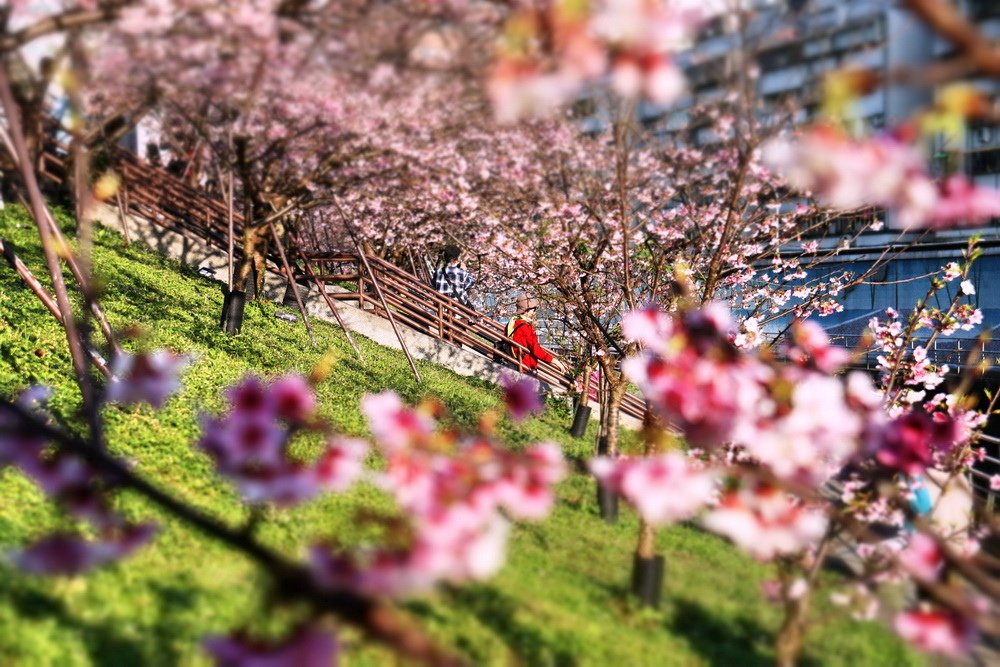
560,601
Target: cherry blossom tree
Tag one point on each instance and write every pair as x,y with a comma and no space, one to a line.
786,455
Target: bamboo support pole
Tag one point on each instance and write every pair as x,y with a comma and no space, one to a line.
291,279
329,302
388,312
47,299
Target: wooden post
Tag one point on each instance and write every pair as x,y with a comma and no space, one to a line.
229,217
123,213
388,312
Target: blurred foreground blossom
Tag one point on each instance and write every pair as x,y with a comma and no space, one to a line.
848,173
766,522
149,377
548,53
249,444
77,486
691,373
908,443
453,491
936,631
664,489
521,396
922,558
307,647
66,554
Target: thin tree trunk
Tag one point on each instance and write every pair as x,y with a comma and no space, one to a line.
651,445
646,547
616,392
291,282
254,262
792,632
231,232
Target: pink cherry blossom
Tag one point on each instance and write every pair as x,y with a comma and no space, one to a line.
849,174
964,204
811,437
765,521
147,377
649,326
293,397
342,464
908,443
308,646
249,444
19,445
750,337
521,396
395,426
811,346
922,558
692,374
451,489
882,171
250,397
66,554
664,489
936,631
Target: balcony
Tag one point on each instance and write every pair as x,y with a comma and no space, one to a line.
783,80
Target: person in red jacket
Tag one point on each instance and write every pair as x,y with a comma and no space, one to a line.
521,329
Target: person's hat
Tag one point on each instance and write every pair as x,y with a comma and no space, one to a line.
526,303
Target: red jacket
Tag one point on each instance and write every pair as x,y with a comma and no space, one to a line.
522,332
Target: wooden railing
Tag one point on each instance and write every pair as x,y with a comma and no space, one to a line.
420,307
152,193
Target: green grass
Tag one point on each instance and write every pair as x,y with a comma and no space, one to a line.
561,600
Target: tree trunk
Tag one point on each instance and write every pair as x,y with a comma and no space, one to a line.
792,632
646,548
651,445
611,417
250,276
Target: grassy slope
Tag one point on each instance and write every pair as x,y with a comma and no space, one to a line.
559,601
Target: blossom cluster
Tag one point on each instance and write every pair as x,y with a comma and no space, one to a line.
886,171
67,478
456,493
549,52
250,442
771,433
795,418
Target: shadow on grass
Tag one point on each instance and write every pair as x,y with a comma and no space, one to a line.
723,642
104,646
499,612
103,641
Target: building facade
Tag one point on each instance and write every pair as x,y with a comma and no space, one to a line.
791,47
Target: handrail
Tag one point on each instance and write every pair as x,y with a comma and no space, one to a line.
423,308
451,312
